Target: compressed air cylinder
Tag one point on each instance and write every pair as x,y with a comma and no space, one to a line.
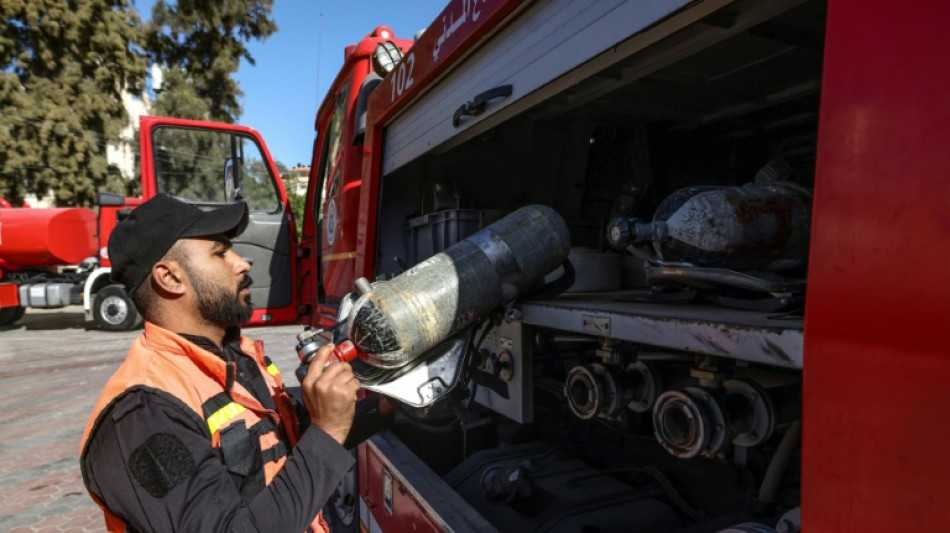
752,227
395,322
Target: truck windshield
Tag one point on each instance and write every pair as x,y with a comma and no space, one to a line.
203,166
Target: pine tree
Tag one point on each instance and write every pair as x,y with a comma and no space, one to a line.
65,65
201,43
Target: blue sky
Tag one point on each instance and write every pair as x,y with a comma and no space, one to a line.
283,90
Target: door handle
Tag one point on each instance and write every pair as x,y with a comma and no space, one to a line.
479,103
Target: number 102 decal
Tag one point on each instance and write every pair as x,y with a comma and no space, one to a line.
402,77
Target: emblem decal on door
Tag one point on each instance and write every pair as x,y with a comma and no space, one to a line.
332,221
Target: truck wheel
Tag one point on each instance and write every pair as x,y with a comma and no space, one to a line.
342,512
9,315
113,309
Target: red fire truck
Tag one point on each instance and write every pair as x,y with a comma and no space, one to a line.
771,378
730,347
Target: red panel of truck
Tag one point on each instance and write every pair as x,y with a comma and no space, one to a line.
147,124
9,296
455,32
396,511
108,218
877,366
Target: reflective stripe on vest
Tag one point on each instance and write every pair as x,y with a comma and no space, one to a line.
271,367
223,416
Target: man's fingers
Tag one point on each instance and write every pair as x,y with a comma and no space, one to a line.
322,354
336,368
315,368
324,377
339,377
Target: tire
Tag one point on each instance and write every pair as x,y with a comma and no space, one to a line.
342,512
113,310
9,315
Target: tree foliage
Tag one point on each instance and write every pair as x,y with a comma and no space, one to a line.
63,67
66,64
179,98
201,44
298,203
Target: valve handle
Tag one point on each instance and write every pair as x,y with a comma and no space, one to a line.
346,351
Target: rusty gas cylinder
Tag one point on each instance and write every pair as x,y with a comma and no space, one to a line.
754,227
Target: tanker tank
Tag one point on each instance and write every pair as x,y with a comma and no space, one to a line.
39,238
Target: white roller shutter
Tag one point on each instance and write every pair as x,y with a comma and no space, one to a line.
550,39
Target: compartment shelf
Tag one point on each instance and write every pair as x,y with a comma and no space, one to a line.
768,338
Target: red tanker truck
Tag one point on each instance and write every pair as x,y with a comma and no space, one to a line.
34,244
56,257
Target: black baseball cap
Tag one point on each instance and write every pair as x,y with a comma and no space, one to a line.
141,240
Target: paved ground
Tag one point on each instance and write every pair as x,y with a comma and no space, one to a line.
52,367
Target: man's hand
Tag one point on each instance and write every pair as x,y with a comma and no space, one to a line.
330,394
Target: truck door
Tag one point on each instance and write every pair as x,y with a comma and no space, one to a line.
210,164
338,201
330,237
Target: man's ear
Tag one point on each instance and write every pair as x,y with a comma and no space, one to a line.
168,276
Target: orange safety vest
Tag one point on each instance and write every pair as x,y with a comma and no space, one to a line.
163,360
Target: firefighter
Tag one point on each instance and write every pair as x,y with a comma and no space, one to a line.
195,431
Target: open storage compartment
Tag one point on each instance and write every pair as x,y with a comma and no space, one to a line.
729,99
718,102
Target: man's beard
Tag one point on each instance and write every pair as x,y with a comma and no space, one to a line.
218,305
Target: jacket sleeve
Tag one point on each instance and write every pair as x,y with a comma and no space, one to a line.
367,421
151,464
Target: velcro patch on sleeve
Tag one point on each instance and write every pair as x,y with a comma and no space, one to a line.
161,463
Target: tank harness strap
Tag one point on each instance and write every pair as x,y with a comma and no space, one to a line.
275,452
264,426
240,445
241,451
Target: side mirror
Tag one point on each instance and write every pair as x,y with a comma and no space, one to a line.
232,179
